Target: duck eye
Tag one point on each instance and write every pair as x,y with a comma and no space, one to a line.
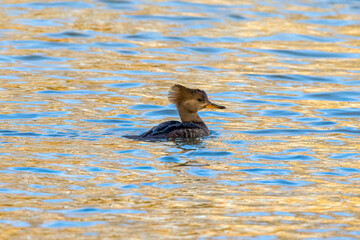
200,99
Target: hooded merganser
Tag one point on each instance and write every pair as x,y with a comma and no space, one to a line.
188,102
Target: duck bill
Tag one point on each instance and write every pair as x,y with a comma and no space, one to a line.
213,105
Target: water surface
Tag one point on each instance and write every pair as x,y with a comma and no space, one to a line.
282,161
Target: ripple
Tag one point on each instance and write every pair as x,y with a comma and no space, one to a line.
205,153
280,97
37,170
117,78
168,186
124,85
308,119
90,210
208,50
282,182
262,102
22,192
340,113
126,116
265,171
285,157
38,22
19,134
180,19
200,172
143,36
74,92
35,44
98,169
57,200
298,78
160,114
134,153
110,121
205,68
327,174
37,58
296,132
54,4
129,186
68,34
128,52
345,156
32,115
290,37
142,72
37,186
167,159
177,39
231,94
303,53
220,114
342,96
15,223
322,124
279,113
115,44
119,4
249,214
142,168
330,22
144,107
71,224
347,170
236,17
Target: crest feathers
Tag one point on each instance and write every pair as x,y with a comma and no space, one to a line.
178,92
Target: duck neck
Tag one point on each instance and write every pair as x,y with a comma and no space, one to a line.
187,116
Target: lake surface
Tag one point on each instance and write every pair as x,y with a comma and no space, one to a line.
282,161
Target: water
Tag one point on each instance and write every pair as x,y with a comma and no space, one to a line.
282,161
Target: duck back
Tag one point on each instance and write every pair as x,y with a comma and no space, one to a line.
174,129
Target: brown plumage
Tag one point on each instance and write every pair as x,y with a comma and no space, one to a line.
188,102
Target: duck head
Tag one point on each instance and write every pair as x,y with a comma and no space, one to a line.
189,101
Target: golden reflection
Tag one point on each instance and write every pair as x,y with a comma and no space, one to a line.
71,155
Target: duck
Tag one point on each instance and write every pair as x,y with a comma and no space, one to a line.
188,102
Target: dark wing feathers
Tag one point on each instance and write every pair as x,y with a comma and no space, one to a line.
160,129
187,133
175,129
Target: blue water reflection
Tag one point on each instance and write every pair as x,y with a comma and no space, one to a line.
280,162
